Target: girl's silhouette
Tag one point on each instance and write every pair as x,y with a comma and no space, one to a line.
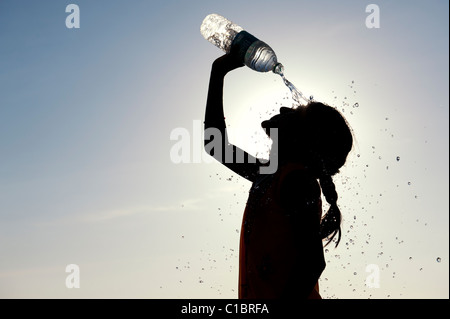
281,250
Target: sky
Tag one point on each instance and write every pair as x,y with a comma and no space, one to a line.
88,117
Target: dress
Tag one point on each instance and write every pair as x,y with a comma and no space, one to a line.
281,252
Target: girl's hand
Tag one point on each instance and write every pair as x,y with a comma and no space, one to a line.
226,63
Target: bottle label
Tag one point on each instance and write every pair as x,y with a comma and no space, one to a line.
242,43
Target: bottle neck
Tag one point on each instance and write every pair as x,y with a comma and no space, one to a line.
278,69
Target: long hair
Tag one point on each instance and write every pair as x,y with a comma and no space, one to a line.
325,139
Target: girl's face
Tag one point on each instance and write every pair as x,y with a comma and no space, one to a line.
276,120
287,139
280,120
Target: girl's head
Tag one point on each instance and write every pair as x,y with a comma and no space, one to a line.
318,136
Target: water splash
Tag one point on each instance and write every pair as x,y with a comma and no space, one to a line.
297,96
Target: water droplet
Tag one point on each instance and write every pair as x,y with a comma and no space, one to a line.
438,259
355,273
356,105
410,258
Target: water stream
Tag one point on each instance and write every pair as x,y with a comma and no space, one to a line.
297,96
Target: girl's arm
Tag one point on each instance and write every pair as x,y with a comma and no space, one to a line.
216,139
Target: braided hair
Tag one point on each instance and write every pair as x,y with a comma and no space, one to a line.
330,225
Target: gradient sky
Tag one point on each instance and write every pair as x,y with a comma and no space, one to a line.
86,114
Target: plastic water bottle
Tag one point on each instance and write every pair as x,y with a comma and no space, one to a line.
224,34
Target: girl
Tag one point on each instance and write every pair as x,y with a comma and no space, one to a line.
281,251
